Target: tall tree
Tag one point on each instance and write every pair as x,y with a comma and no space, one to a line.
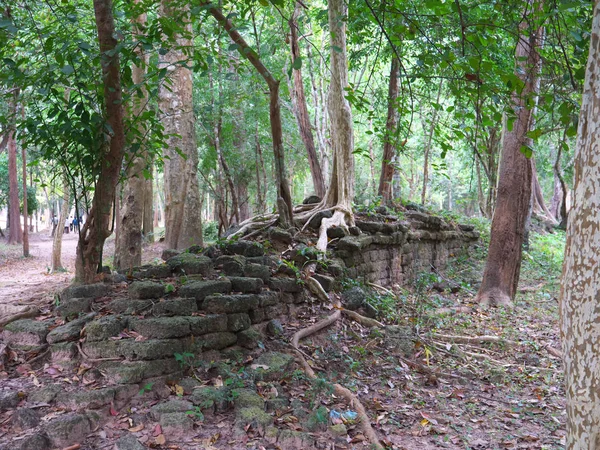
15,234
56,259
501,274
128,245
579,298
25,209
389,142
183,226
301,108
96,228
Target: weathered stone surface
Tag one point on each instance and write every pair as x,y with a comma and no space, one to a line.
84,291
249,338
216,341
68,429
272,366
246,285
257,315
199,290
232,265
37,441
69,331
257,417
63,351
285,284
189,264
230,303
268,298
104,328
336,233
315,222
134,350
84,399
127,306
170,406
325,281
272,312
189,384
176,424
74,307
142,290
254,270
129,442
158,271
128,372
238,322
295,439
169,253
338,430
247,398
349,243
25,333
211,398
8,399
354,298
275,328
213,323
161,327
311,200
277,234
175,307
245,248
45,394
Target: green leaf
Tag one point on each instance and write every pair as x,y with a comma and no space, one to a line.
297,65
527,151
67,70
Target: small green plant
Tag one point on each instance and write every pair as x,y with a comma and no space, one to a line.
185,360
146,388
196,413
169,287
290,266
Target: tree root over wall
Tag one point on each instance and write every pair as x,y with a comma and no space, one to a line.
365,422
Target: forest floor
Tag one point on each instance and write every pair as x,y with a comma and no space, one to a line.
475,379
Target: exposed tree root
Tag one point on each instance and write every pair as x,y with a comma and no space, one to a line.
251,227
25,314
315,287
93,360
474,339
366,321
365,421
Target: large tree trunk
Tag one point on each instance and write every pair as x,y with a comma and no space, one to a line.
182,196
15,234
283,188
501,274
96,228
25,228
301,109
579,292
56,264
128,244
389,147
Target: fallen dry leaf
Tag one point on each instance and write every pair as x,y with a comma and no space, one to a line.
160,439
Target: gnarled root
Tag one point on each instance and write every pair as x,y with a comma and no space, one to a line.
341,391
26,313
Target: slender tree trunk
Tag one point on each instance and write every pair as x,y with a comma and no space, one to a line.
260,172
244,204
501,274
389,147
428,141
15,234
301,109
148,222
182,196
128,243
579,292
56,264
283,188
97,226
25,227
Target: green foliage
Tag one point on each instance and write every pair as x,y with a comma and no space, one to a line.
186,360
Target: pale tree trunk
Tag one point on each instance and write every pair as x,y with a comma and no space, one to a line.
182,197
25,227
389,147
428,142
301,109
128,243
244,205
579,292
148,222
501,274
97,226
56,264
284,206
15,234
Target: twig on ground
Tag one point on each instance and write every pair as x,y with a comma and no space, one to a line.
381,288
87,358
475,339
39,357
25,314
366,321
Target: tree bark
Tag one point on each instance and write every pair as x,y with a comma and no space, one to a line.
15,234
128,243
97,226
25,227
283,188
56,264
501,274
301,109
148,222
389,147
579,294
182,196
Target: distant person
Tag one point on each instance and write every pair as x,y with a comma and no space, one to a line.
67,226
54,222
75,224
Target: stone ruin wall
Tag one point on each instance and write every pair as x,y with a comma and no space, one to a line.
201,300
